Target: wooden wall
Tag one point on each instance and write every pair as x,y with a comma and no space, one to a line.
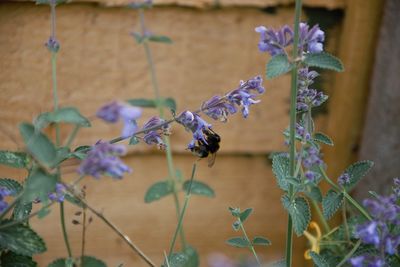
98,62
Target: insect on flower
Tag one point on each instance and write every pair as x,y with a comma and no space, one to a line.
207,148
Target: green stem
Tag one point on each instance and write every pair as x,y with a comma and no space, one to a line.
83,235
72,136
10,206
64,229
321,216
251,247
55,95
348,256
170,163
346,195
182,213
292,129
344,216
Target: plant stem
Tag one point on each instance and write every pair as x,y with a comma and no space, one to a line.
153,76
10,206
72,136
346,195
348,256
83,235
182,213
112,226
251,247
292,129
64,229
344,216
321,216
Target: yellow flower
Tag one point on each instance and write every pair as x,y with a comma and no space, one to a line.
314,240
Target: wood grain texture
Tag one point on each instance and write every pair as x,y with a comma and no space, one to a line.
381,134
348,100
330,4
238,181
99,62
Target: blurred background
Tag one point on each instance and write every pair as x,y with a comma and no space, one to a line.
214,47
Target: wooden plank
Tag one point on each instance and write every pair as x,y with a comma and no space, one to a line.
99,62
348,98
330,4
381,142
237,181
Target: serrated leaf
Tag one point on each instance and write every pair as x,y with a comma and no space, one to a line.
14,159
300,212
22,240
193,257
160,39
323,138
38,144
87,261
157,191
280,168
133,141
198,188
324,61
238,242
318,259
261,241
65,115
12,185
21,210
38,185
10,259
314,193
277,66
357,171
331,203
245,214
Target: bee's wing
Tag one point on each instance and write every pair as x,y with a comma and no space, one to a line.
211,159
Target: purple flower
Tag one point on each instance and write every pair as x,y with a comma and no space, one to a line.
154,136
59,194
272,41
396,187
311,40
308,98
53,45
113,111
344,179
3,193
367,261
218,108
311,157
310,175
103,159
194,123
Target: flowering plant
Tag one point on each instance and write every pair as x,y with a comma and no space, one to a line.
370,237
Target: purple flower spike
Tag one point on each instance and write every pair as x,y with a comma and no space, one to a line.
154,136
218,109
194,123
103,159
59,194
3,193
308,98
113,111
311,40
272,41
344,179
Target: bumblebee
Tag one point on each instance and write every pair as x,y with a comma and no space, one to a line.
209,149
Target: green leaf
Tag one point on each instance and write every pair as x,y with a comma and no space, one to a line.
238,242
21,210
133,141
323,138
10,259
88,261
14,159
277,66
245,214
38,185
138,37
160,39
318,259
177,260
157,191
65,115
22,240
357,171
193,257
300,212
314,193
324,61
261,241
80,152
198,188
331,203
142,102
280,168
73,200
38,144
13,186
170,103
43,212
